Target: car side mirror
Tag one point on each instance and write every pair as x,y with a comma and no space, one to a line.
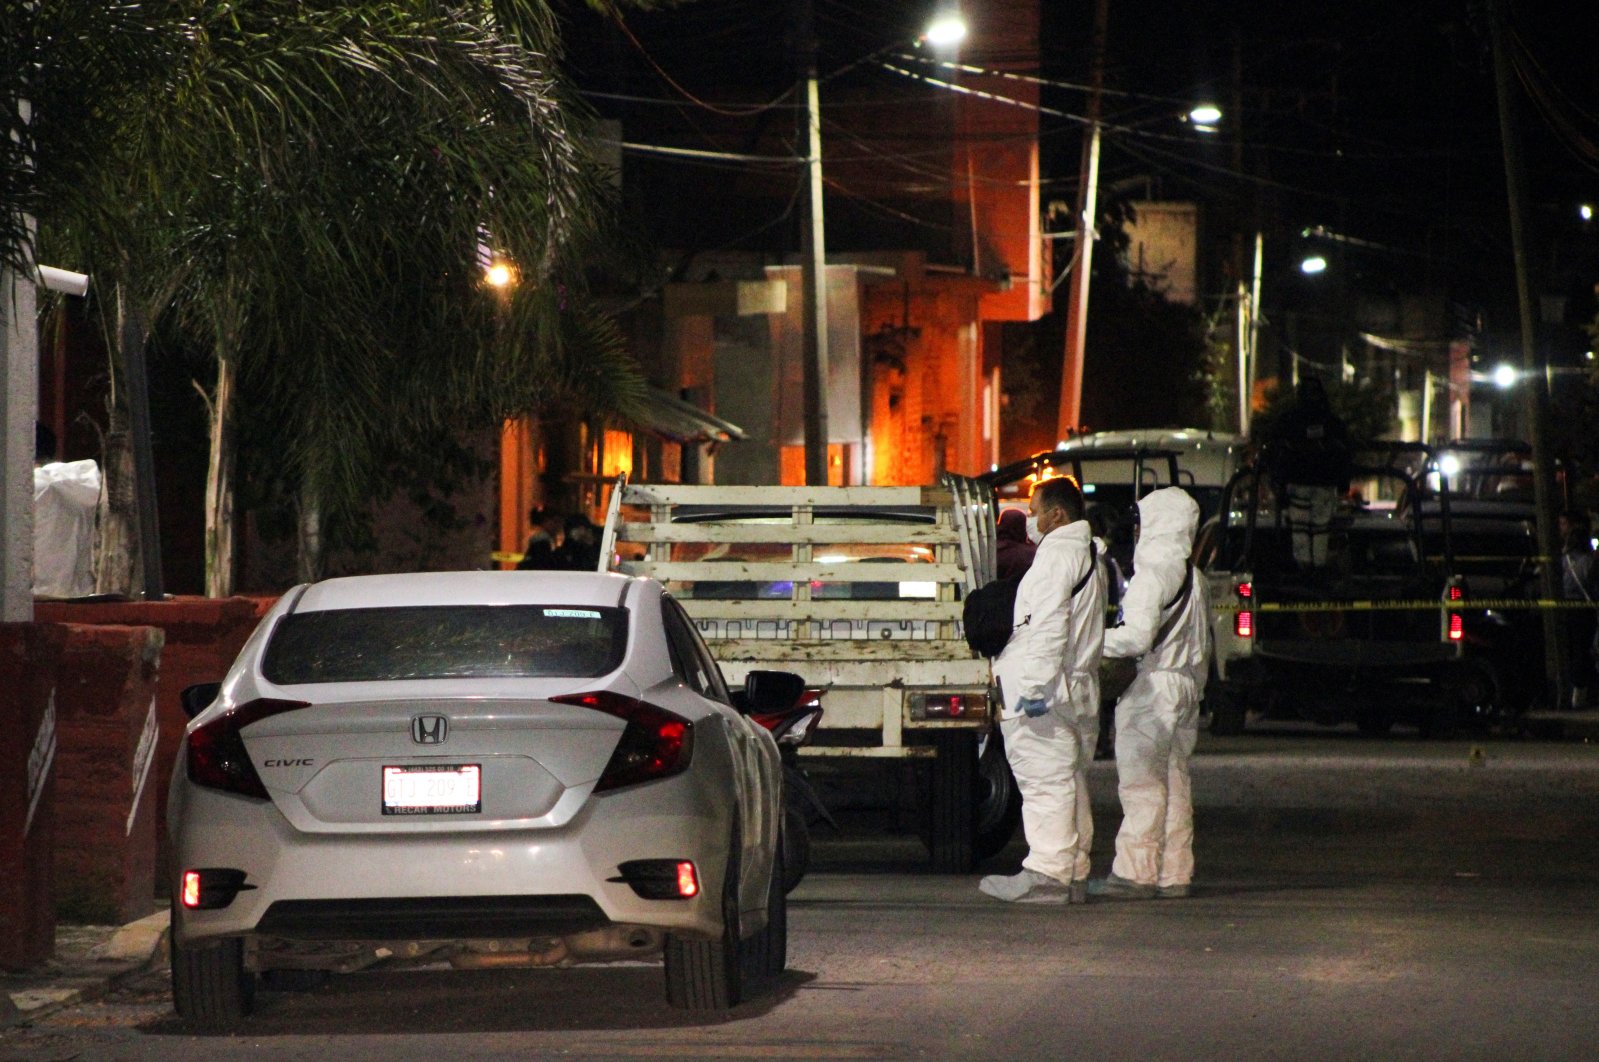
198,698
770,691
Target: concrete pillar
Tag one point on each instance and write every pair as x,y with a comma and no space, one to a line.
19,402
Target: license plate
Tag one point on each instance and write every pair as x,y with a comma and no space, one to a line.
443,789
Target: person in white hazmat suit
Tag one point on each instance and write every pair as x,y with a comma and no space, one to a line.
1165,625
1048,676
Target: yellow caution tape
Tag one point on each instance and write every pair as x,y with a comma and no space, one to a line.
506,558
1468,605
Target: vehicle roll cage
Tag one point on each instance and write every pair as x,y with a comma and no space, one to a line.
1388,465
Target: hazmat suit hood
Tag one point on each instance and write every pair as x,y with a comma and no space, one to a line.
1167,521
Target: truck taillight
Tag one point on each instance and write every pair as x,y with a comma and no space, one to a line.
1246,590
216,755
925,706
655,743
1244,624
1457,627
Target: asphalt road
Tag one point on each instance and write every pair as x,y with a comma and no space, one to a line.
1357,899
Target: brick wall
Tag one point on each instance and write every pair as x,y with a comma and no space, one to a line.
202,636
28,654
106,789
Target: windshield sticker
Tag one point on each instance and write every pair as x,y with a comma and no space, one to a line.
571,613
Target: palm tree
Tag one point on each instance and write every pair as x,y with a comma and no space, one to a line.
307,186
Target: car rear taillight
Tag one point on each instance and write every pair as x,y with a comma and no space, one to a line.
1457,627
216,755
213,888
1244,619
661,879
654,744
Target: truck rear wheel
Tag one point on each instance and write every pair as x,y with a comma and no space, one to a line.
953,802
999,801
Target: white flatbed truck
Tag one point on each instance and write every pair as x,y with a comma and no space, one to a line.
858,590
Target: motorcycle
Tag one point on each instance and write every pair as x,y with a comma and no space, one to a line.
792,727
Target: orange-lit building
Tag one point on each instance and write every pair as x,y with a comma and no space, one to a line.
934,241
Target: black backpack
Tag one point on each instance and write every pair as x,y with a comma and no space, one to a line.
989,613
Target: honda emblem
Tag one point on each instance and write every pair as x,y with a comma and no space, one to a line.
429,729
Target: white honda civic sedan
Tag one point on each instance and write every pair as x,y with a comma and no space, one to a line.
482,769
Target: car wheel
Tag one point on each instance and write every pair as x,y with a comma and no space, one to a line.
953,801
709,974
766,953
999,802
210,985
795,845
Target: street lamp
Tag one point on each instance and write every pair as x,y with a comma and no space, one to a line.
1505,377
1313,265
946,30
1205,117
499,274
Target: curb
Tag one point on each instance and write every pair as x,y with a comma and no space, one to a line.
141,947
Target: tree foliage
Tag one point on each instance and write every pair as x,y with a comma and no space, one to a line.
308,189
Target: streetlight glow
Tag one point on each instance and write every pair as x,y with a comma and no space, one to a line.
1586,210
1205,114
946,30
1504,376
1313,265
499,275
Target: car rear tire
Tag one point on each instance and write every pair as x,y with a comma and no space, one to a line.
210,986
709,974
953,802
766,953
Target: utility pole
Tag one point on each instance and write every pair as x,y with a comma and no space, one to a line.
813,257
1071,369
1534,374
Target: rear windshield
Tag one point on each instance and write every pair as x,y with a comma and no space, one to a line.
446,641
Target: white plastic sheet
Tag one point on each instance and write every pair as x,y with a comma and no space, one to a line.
65,497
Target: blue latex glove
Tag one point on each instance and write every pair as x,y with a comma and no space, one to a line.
1032,708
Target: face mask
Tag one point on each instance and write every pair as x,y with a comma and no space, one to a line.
1034,535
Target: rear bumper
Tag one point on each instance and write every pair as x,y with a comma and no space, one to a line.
450,885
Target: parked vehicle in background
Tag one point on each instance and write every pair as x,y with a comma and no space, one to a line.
481,768
859,590
793,712
1487,485
1374,634
1116,468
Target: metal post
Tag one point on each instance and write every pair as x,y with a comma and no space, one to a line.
1241,344
813,264
1254,315
1071,380
1535,380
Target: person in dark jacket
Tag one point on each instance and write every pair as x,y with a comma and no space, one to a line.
1013,554
1309,457
580,550
540,551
